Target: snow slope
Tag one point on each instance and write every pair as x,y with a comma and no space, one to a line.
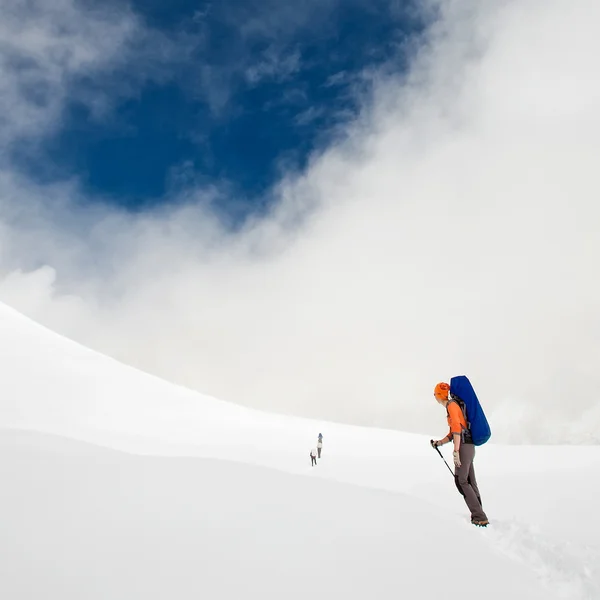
116,484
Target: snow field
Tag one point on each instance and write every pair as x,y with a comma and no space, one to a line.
116,484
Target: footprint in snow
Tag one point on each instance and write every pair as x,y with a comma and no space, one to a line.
565,568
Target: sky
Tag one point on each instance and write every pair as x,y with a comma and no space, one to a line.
247,89
320,209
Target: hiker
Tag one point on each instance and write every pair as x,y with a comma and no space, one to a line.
320,444
463,454
313,457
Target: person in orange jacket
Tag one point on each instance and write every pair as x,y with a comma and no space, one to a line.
463,454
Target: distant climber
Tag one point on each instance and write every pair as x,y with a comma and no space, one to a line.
320,444
313,457
464,453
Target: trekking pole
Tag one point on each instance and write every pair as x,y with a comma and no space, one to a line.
442,457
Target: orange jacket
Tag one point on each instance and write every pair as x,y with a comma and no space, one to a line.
456,419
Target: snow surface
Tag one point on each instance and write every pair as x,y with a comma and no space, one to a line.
118,485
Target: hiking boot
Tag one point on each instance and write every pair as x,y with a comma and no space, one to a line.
483,523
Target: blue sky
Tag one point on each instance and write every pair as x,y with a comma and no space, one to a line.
252,88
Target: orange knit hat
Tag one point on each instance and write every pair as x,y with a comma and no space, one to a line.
441,391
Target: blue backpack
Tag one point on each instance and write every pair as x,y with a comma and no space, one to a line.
480,430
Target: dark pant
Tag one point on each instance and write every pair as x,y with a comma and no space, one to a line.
319,451
313,460
467,483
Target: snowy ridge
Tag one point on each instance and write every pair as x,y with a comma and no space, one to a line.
206,490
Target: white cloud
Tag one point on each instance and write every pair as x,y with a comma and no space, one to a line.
454,230
52,53
274,64
44,45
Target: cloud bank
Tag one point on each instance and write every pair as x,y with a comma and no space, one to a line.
454,228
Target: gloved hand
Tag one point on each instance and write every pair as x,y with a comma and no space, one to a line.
456,456
434,444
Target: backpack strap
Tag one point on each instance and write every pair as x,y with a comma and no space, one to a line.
462,406
466,433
